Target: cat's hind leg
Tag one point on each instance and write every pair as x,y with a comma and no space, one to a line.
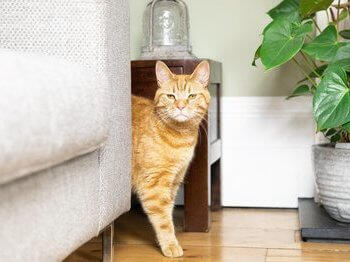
157,202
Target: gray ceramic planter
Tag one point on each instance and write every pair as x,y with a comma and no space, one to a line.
332,171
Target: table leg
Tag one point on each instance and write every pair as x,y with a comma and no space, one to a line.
196,189
216,186
107,244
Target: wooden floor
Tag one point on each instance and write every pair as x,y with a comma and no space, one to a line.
236,235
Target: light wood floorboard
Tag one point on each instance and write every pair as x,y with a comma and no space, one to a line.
237,234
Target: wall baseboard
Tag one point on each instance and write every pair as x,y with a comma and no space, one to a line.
266,151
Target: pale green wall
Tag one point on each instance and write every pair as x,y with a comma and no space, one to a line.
228,31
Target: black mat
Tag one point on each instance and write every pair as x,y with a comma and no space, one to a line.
317,226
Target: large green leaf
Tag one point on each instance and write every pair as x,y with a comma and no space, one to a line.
344,64
341,59
293,17
287,9
309,7
300,91
342,53
325,46
345,34
332,100
282,41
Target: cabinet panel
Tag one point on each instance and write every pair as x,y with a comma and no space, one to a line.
147,74
214,112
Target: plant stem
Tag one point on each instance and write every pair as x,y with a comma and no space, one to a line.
332,14
305,55
311,66
338,12
340,6
318,28
303,71
328,16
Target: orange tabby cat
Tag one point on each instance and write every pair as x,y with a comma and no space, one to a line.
164,135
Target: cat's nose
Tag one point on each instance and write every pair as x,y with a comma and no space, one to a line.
181,106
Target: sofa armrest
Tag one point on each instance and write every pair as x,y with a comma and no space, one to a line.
93,33
51,111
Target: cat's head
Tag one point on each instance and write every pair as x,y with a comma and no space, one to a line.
182,98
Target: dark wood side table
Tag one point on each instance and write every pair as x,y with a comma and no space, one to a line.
204,172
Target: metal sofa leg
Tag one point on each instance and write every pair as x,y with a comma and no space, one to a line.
107,244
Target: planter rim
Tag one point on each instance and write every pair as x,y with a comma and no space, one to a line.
324,145
329,147
331,168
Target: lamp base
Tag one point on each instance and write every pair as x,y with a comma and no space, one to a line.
166,52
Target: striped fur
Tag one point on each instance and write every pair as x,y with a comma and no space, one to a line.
165,133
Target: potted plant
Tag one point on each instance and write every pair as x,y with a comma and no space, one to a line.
323,56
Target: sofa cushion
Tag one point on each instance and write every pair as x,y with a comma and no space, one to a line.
51,111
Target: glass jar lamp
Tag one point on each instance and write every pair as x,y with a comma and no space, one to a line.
166,30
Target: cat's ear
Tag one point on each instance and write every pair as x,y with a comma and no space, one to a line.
163,73
202,73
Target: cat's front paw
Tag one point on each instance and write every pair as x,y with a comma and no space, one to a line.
172,250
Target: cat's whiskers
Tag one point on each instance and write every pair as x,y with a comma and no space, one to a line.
163,118
201,125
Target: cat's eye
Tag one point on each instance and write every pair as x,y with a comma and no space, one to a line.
170,96
192,96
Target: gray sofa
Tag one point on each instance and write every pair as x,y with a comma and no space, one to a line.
65,124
